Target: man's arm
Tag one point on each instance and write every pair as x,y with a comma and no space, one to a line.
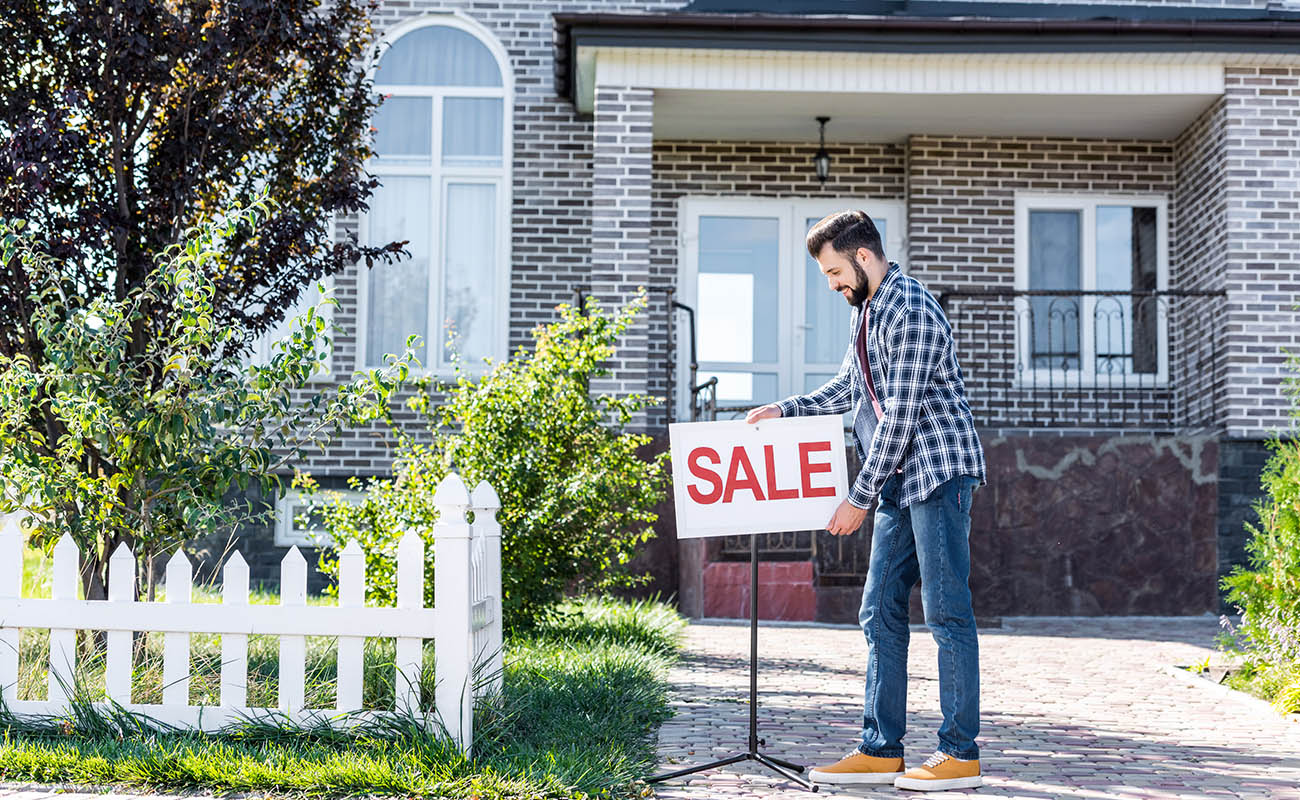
833,397
916,346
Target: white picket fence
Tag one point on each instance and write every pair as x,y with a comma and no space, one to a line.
465,624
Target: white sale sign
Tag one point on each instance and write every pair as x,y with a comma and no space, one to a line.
777,475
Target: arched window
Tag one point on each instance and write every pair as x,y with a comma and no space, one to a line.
442,155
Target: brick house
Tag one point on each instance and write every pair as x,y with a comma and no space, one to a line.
1103,196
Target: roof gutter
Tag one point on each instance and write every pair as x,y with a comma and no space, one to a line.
909,34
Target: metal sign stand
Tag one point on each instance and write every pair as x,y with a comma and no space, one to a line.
777,765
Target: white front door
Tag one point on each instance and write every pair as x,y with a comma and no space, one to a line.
767,325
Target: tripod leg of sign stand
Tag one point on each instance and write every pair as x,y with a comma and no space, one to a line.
783,768
784,763
726,762
771,764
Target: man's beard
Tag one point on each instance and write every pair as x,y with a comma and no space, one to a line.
858,295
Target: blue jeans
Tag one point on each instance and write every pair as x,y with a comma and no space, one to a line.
928,540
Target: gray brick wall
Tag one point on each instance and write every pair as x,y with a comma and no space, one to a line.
1262,114
620,237
1240,463
1198,260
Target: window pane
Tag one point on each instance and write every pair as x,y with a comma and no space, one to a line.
403,129
1126,261
741,388
737,289
469,294
398,293
438,56
825,312
471,131
1054,263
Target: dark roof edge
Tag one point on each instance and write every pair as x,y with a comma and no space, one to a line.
928,34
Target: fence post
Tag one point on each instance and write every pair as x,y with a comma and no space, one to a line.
454,635
121,589
409,649
234,646
486,505
11,587
63,641
352,594
293,649
176,646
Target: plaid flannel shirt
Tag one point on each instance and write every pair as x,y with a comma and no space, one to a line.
927,428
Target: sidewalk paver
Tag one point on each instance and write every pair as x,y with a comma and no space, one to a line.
1074,708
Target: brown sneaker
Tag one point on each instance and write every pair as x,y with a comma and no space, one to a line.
942,771
859,768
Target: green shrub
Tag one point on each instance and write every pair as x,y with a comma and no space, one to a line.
128,420
1268,593
577,497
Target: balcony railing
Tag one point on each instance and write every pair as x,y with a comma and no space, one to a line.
1090,359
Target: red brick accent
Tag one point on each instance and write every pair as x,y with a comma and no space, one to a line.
785,590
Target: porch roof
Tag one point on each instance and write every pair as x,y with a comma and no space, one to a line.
883,69
927,27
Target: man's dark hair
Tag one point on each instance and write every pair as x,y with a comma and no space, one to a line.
846,231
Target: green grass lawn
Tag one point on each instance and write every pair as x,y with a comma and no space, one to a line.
584,695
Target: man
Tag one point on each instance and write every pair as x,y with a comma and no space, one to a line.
921,461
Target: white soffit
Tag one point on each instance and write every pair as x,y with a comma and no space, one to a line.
773,94
878,117
905,73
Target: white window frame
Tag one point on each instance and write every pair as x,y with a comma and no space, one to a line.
790,367
1087,205
434,364
287,532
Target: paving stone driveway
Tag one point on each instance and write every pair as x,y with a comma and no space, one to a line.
1071,708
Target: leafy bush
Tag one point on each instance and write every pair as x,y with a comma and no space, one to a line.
122,424
1268,593
577,497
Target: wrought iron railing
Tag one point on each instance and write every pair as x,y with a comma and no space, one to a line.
1090,359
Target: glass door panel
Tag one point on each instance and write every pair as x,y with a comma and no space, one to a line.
738,303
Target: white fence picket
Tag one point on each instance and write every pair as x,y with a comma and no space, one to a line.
352,594
465,624
410,594
117,661
455,639
176,646
293,649
11,588
234,646
487,597
63,640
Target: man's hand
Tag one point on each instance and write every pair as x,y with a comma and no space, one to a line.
769,411
847,519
